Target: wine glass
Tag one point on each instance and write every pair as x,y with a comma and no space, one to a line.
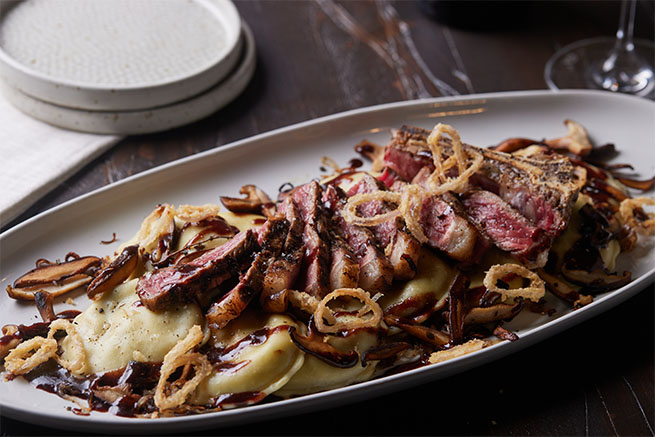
619,64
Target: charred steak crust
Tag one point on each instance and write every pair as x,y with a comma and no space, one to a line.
162,288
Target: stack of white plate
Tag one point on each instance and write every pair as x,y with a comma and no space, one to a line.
123,66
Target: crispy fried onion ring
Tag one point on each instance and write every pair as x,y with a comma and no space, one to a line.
457,351
350,209
171,395
75,347
533,292
409,203
29,354
627,215
467,162
323,312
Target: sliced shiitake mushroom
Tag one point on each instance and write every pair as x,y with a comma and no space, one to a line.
115,273
493,313
57,289
504,333
645,185
315,345
51,273
563,290
428,335
384,351
595,281
44,303
255,202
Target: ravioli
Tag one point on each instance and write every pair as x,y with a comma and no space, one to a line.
429,286
259,356
117,329
316,375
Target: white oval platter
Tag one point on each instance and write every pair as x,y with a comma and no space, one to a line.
292,154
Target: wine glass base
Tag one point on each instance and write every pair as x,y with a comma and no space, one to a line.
587,64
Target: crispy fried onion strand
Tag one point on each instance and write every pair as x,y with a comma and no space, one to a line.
29,354
409,203
171,395
467,161
627,215
350,209
458,351
533,292
190,213
75,347
323,312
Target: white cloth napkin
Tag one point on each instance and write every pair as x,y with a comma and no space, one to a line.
36,157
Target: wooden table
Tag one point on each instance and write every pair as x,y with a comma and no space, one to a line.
320,58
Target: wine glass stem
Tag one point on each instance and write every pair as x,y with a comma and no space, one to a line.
626,26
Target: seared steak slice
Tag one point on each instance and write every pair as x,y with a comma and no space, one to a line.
316,259
506,228
407,153
164,287
402,248
232,304
282,272
445,224
375,270
540,189
272,235
344,268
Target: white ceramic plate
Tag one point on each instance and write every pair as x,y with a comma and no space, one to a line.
149,120
117,55
293,154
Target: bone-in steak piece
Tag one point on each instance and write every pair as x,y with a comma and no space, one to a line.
542,190
170,285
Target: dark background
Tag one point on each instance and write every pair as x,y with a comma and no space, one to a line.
318,58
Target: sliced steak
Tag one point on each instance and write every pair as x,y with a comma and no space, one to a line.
344,268
232,304
401,247
316,259
506,228
446,225
282,272
272,235
180,283
542,190
375,270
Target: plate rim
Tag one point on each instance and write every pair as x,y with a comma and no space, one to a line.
348,393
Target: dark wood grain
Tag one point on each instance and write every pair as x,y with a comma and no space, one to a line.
318,58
